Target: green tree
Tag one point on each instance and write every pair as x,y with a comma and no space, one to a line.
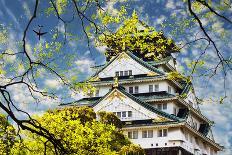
137,37
131,150
7,136
110,118
78,131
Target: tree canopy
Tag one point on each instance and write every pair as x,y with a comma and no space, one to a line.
8,136
78,131
139,38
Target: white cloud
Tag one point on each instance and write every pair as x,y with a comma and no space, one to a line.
9,58
72,44
61,27
101,49
84,65
11,14
109,7
170,4
219,113
29,51
218,27
52,83
161,19
76,96
23,100
27,10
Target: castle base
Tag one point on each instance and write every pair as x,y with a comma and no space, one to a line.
167,151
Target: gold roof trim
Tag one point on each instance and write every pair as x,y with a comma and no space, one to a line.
151,74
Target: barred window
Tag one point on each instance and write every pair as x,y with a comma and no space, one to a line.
136,89
156,87
150,88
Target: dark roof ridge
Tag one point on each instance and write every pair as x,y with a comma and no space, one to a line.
153,93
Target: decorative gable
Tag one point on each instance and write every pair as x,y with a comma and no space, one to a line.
116,101
191,98
126,64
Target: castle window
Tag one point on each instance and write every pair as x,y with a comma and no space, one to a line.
169,89
121,73
116,73
133,134
130,72
131,90
159,106
163,133
144,134
136,89
150,133
150,88
124,114
147,134
129,113
126,73
119,114
160,133
157,87
130,135
164,106
97,93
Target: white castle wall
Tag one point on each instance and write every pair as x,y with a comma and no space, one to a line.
175,137
123,64
143,87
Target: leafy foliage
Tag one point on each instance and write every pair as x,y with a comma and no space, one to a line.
79,132
7,136
110,118
178,77
131,150
137,37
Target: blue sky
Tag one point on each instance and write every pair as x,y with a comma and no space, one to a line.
15,15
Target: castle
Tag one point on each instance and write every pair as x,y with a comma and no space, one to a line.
159,113
155,114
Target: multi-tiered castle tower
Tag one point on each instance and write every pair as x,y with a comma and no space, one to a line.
159,114
155,114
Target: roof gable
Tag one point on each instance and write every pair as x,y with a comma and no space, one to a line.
112,100
126,61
